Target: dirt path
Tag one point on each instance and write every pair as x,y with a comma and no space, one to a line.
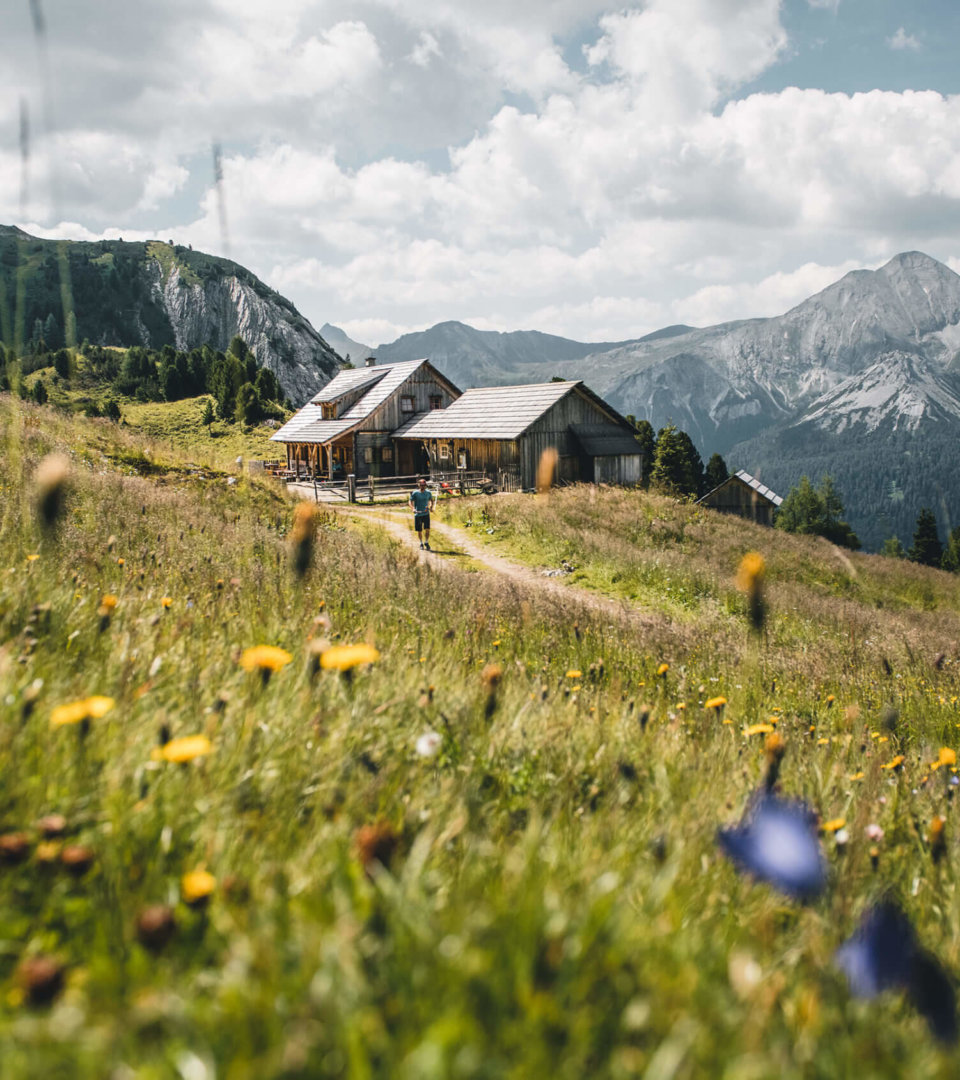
442,536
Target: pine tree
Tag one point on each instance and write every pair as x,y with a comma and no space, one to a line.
715,472
816,512
208,414
673,466
893,549
926,548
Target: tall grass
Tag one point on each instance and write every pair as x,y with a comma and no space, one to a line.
554,902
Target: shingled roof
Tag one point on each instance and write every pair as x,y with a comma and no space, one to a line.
308,425
751,481
490,412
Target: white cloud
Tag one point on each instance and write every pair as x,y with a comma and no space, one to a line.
826,5
426,48
901,40
598,204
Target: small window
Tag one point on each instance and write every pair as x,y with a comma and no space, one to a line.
444,451
436,401
462,459
407,403
329,410
368,454
386,453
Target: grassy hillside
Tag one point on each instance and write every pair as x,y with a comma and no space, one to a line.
176,426
544,894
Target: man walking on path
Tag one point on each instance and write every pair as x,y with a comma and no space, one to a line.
421,503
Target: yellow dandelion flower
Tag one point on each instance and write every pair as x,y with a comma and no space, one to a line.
574,689
895,764
681,705
834,824
947,756
32,558
91,708
823,742
830,699
166,601
758,729
574,674
496,643
197,886
187,748
856,776
264,658
120,561
663,669
347,657
715,703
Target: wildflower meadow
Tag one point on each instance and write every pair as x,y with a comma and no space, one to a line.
280,799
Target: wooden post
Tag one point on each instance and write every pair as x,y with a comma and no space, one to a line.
370,484
352,488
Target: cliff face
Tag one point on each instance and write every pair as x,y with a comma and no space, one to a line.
153,293
216,310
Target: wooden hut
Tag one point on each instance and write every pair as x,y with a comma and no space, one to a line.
349,426
503,430
744,495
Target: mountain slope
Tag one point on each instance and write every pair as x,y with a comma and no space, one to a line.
487,357
115,293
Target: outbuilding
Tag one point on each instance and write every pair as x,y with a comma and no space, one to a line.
744,495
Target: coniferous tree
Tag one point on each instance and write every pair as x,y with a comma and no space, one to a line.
926,548
816,512
893,549
951,553
675,468
715,472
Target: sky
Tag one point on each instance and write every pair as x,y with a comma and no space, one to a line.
585,169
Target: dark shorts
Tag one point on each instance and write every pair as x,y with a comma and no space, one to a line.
421,521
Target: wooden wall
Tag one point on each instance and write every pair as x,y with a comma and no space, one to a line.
420,385
736,497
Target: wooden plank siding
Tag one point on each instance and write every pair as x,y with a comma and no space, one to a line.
736,497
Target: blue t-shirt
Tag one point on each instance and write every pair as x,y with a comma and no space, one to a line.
421,500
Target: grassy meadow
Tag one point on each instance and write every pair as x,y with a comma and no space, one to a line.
490,852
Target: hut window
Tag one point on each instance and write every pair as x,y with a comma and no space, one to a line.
386,453
462,459
368,454
407,403
436,401
329,410
444,451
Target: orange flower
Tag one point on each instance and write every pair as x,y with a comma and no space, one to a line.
895,764
834,824
264,658
165,601
663,669
715,703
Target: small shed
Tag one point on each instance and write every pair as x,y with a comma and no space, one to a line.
744,495
504,430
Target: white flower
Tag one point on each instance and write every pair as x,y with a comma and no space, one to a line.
429,743
874,832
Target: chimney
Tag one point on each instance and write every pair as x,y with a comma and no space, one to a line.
371,361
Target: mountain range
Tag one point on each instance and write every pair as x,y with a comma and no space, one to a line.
861,380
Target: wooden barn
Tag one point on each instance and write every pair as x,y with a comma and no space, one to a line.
503,430
350,426
744,495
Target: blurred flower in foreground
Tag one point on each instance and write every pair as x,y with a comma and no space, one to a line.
53,474
266,659
750,577
183,750
429,743
884,954
197,887
376,843
40,978
777,842
546,469
303,537
91,708
344,658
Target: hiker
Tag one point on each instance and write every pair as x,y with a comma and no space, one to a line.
421,503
